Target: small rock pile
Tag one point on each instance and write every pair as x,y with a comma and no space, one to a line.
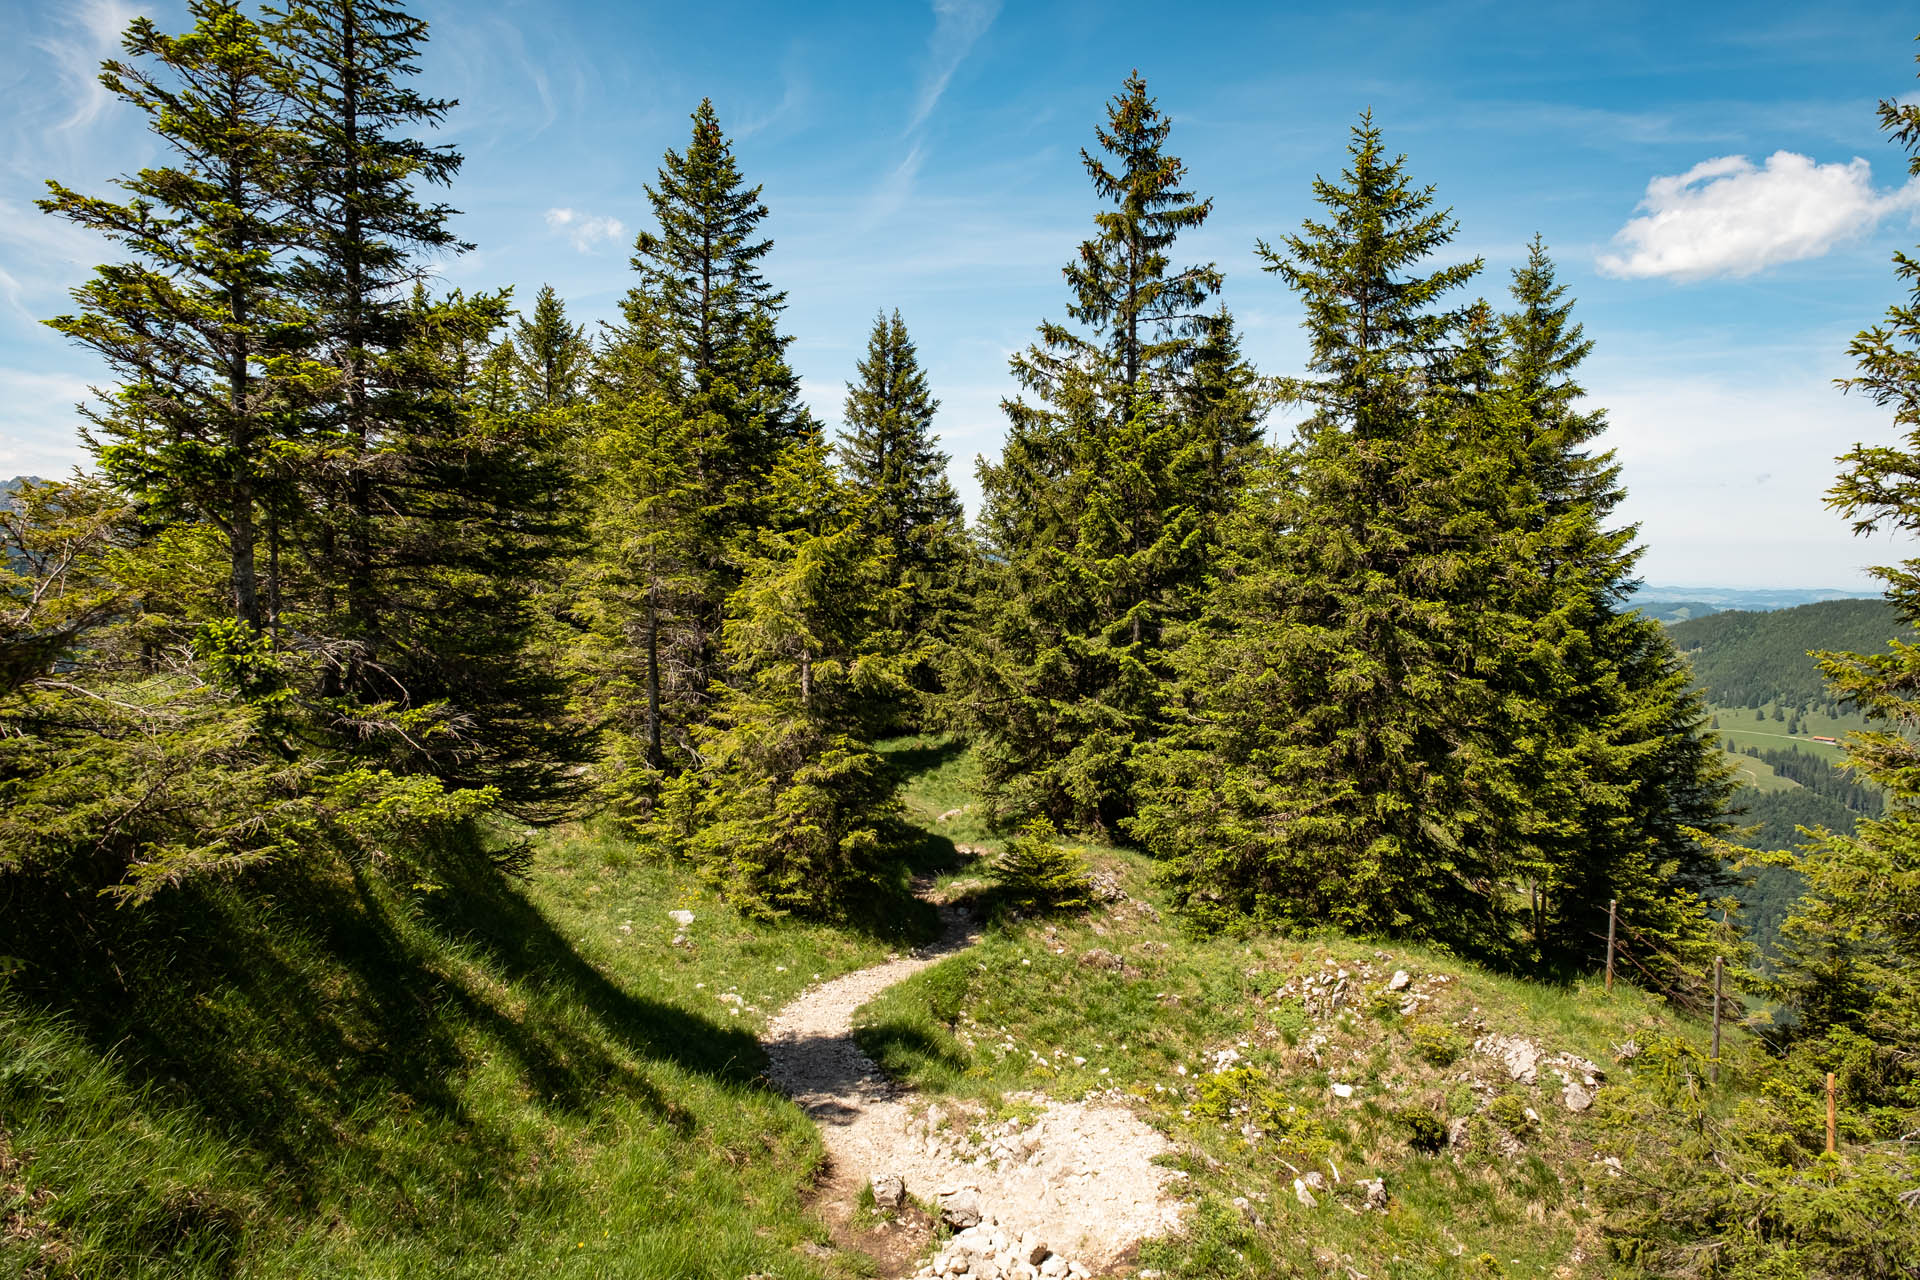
1523,1059
986,1250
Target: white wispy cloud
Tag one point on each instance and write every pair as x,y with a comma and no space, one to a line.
1727,470
1730,217
957,26
90,33
37,422
585,230
890,195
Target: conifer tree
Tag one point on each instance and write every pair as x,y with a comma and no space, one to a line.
703,262
790,809
1615,774
641,587
550,355
890,455
1146,316
200,328
364,230
429,510
1326,761
737,398
1853,943
1225,400
1096,516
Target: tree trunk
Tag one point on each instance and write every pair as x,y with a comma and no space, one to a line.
656,757
361,625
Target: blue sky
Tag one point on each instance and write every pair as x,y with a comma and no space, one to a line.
1710,178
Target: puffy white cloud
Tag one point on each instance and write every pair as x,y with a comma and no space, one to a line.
1728,217
584,229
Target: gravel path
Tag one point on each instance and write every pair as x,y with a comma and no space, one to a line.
1079,1178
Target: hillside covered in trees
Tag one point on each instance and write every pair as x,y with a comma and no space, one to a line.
1750,659
399,639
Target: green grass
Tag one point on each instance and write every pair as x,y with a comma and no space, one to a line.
1740,729
1016,1012
1756,773
317,1072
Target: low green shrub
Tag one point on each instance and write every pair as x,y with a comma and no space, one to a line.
1425,1131
1437,1046
1036,873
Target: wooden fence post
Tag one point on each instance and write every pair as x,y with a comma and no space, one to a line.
1713,1070
1613,906
1832,1114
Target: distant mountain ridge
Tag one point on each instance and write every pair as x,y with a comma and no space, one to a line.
9,487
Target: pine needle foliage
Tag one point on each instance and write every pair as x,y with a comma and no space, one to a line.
1035,872
199,326
889,452
1096,518
1412,695
789,808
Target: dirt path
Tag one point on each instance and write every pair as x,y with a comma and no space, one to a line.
1080,1177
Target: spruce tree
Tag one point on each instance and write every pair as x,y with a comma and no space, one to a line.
1327,760
1096,515
703,261
641,587
1615,773
889,453
1853,944
200,327
550,355
364,231
789,808
737,397
1146,317
430,510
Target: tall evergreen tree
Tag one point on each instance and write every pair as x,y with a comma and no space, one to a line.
1854,943
1327,761
641,587
889,453
1615,770
703,261
200,328
697,407
428,511
1145,316
364,230
789,808
551,355
1096,515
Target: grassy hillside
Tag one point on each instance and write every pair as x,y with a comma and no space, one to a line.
1234,1047
1748,659
391,1073
1675,610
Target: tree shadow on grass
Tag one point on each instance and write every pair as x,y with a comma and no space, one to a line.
322,1021
904,1051
921,755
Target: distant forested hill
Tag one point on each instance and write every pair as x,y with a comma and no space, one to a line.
1747,659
